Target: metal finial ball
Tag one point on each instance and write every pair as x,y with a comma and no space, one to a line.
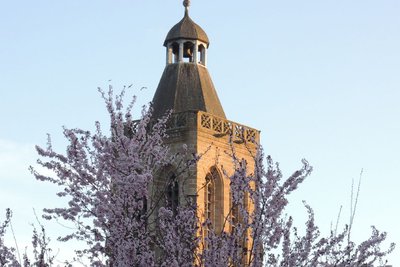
186,3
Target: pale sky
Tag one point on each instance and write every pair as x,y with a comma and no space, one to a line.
320,79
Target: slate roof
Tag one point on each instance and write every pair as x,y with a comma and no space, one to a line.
186,29
186,87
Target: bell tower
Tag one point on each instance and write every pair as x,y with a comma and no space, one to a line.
198,121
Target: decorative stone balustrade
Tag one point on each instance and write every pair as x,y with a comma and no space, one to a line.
218,127
222,127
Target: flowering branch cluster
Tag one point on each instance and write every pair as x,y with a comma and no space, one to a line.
261,235
108,181
7,254
42,254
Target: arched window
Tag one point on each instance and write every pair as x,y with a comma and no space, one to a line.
214,204
172,191
235,214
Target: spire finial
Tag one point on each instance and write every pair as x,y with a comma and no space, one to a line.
186,4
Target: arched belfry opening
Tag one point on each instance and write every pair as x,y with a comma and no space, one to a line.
173,53
201,54
188,49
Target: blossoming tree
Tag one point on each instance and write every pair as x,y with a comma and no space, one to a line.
125,219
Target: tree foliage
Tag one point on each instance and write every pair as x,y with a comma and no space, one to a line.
122,214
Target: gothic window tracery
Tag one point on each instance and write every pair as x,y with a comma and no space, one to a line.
214,199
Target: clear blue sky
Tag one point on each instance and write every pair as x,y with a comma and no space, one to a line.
320,79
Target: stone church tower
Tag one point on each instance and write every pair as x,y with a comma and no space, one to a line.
198,120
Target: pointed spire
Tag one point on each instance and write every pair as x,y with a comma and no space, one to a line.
186,4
